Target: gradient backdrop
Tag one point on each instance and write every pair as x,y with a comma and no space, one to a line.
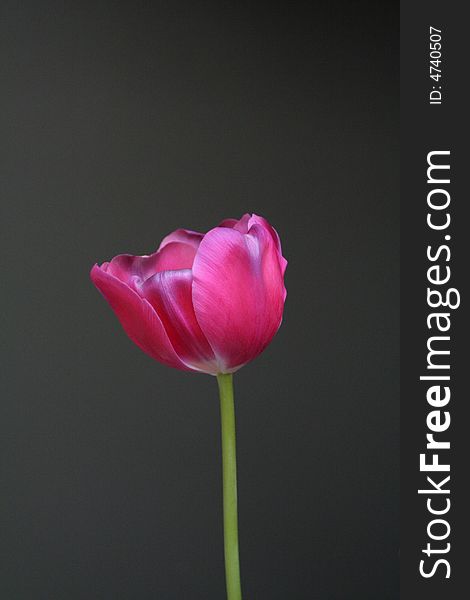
119,123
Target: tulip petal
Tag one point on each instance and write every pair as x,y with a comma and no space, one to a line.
174,256
238,292
230,223
183,236
257,220
170,294
240,225
137,317
134,270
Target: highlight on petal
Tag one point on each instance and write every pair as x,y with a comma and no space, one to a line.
170,294
137,317
244,225
261,221
238,292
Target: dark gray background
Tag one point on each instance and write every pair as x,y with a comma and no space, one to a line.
119,123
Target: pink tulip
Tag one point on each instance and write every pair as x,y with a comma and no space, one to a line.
209,303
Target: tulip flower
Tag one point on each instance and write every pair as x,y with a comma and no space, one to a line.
208,303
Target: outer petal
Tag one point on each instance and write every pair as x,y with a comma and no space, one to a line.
170,293
137,317
238,293
257,220
134,270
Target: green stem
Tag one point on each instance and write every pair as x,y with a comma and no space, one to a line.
229,471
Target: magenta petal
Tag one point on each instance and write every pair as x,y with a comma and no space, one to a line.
238,292
170,293
174,256
137,317
183,236
134,270
230,223
240,225
130,269
262,222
